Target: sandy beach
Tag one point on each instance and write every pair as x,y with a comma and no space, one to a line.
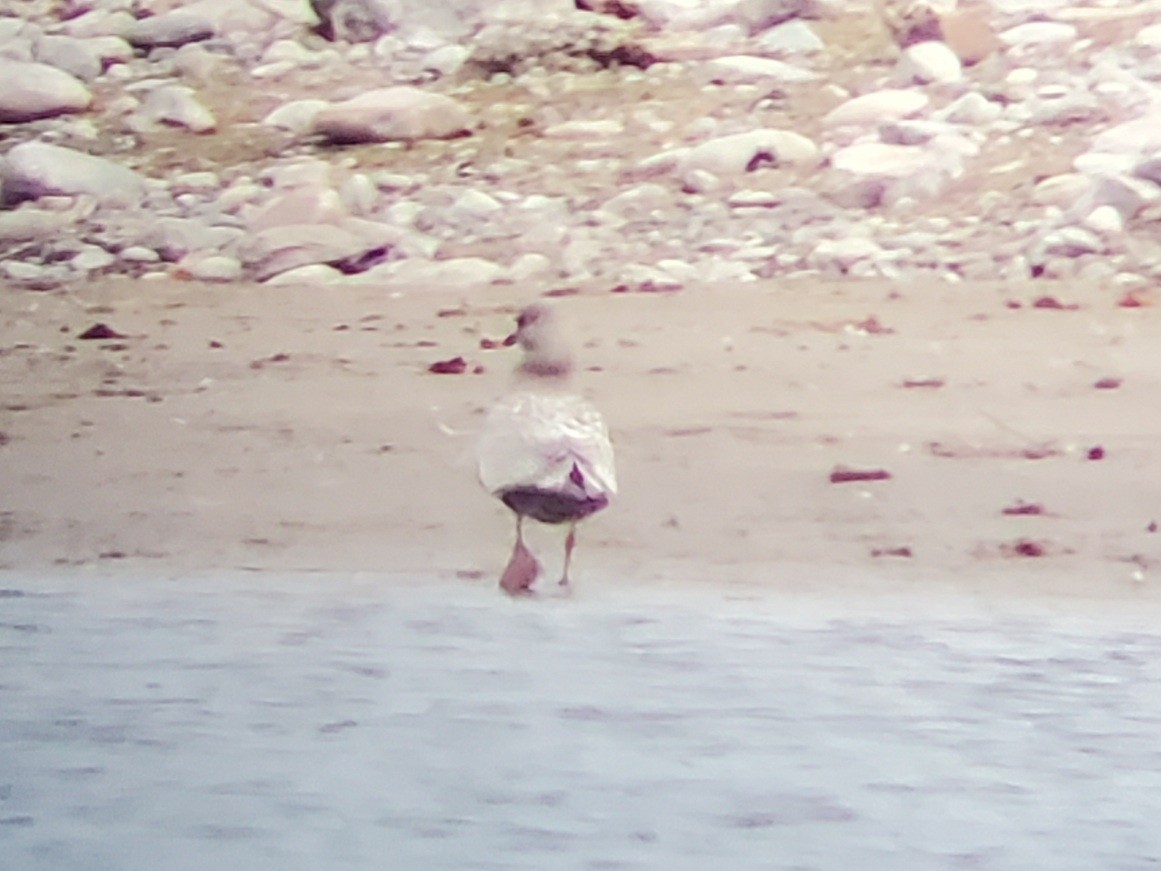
261,428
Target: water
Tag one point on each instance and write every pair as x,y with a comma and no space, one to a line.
256,722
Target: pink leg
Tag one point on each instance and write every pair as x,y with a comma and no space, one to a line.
569,544
522,568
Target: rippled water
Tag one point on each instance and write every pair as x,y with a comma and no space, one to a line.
255,722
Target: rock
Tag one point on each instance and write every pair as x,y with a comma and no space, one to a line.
34,169
1039,33
747,68
932,62
972,108
315,273
743,152
77,57
604,128
210,267
36,90
399,113
793,37
170,29
297,116
90,259
1071,242
844,253
454,272
1105,220
1061,190
876,107
176,106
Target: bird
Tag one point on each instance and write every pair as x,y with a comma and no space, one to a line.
544,451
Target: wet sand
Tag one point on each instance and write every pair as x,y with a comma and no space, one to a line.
285,429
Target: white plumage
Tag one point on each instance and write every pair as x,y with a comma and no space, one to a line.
545,453
535,440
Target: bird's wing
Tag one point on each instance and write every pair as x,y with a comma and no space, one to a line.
532,440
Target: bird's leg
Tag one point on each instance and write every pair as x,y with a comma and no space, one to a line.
569,544
522,568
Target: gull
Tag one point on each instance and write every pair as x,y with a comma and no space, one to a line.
544,452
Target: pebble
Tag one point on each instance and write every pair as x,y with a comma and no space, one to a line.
35,169
35,90
168,29
748,68
932,61
868,110
399,113
654,193
214,267
176,106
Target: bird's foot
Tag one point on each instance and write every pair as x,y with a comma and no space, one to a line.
521,572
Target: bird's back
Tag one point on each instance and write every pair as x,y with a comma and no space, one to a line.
537,440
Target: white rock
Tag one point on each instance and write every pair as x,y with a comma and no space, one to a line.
1149,37
870,110
314,273
793,37
475,205
880,158
34,90
599,129
972,108
527,266
843,253
1071,242
1105,220
1061,190
17,270
1039,33
399,113
213,267
34,169
739,152
454,272
747,68
296,116
139,254
77,57
168,29
447,59
91,258
932,62
177,106
359,194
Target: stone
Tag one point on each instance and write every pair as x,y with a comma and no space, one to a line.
170,29
1071,242
212,267
77,57
34,169
747,68
314,273
932,62
453,272
176,106
743,152
872,109
1039,33
790,38
389,114
297,116
1105,220
35,90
